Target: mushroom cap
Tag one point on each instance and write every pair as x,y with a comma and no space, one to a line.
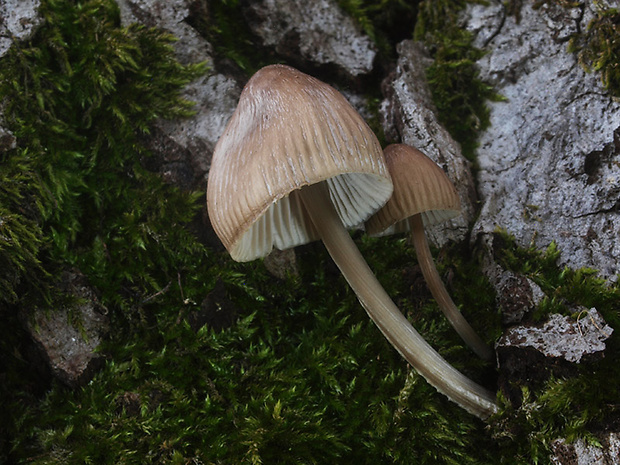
290,130
420,186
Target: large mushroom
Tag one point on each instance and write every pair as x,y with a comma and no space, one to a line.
423,196
297,163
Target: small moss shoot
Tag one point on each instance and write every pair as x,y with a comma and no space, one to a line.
20,235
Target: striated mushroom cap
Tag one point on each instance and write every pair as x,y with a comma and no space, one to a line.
420,186
290,130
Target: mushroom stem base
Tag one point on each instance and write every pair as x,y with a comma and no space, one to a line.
382,310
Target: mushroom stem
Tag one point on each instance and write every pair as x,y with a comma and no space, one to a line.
382,310
439,292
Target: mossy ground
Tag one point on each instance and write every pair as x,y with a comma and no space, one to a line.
300,375
582,406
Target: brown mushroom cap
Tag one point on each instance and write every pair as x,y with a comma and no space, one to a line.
290,130
420,186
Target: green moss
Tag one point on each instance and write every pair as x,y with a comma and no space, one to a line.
303,376
20,236
572,408
77,98
598,48
458,92
564,287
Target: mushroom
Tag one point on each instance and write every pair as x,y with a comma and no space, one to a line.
423,195
297,163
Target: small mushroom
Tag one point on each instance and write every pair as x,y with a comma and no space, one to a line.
297,163
423,195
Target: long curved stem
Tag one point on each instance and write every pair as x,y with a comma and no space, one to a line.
382,310
439,292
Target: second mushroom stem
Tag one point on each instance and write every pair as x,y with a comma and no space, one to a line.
437,288
382,310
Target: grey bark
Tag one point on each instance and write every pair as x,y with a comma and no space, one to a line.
316,32
549,163
19,19
409,116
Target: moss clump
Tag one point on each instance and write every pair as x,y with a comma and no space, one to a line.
459,93
73,192
564,287
77,98
598,48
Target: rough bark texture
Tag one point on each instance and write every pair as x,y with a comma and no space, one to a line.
182,149
528,355
581,453
18,21
409,116
562,337
550,162
549,170
317,32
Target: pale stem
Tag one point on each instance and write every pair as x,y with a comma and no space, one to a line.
382,310
440,294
